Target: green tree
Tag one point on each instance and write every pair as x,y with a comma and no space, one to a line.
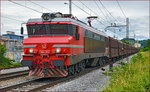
148,43
127,42
5,62
147,47
3,49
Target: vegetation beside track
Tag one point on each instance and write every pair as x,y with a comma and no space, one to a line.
6,62
133,76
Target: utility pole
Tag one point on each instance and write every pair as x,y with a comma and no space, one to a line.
127,34
114,33
70,8
113,25
127,29
134,38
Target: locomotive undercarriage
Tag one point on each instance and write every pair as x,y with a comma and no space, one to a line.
68,70
75,68
86,63
101,61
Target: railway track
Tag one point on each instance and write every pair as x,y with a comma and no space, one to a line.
11,67
8,76
43,83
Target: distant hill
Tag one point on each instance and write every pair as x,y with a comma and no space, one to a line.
142,42
131,40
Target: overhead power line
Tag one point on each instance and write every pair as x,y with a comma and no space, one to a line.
40,6
121,8
86,13
24,6
108,11
12,19
101,11
81,8
93,11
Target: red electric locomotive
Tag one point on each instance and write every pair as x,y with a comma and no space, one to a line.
59,45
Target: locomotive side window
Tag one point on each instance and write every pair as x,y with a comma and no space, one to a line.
102,38
96,36
76,29
94,42
89,34
72,29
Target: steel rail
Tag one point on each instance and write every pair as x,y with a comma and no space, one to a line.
16,86
12,75
48,85
11,67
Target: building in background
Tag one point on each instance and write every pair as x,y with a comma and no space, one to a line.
137,44
12,35
14,45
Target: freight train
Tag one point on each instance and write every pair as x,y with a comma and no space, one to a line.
59,45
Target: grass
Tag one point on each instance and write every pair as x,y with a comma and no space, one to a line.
131,77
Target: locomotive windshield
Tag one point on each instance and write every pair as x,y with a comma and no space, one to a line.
51,29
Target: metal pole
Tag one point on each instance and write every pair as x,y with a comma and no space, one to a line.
70,9
127,29
127,34
114,33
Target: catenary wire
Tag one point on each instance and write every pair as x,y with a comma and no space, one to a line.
86,13
121,8
12,19
101,11
40,6
108,11
24,6
92,11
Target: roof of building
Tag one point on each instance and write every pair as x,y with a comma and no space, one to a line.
12,34
2,39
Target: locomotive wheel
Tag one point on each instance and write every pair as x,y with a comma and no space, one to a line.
72,70
82,65
98,63
69,70
104,61
77,68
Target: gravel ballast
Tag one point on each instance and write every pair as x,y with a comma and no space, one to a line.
93,81
11,70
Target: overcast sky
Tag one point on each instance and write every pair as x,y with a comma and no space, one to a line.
137,11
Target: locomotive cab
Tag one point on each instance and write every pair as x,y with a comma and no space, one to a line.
49,45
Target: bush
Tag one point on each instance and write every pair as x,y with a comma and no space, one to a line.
5,62
3,49
145,49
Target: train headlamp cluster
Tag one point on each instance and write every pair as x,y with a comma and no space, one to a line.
31,50
58,50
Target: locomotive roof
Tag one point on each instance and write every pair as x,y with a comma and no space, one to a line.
71,20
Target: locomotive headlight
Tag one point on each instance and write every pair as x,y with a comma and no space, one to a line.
31,50
58,50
